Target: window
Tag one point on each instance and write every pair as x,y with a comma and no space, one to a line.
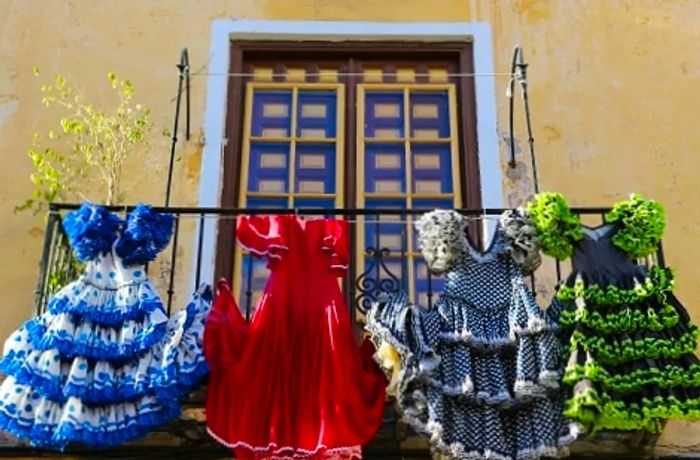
356,125
291,149
408,158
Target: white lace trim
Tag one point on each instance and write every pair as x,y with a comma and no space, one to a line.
434,430
267,251
526,388
464,389
469,337
348,452
549,379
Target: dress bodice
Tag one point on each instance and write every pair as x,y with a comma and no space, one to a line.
596,254
480,270
316,245
109,273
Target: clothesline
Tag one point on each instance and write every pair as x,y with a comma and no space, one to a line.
353,74
312,216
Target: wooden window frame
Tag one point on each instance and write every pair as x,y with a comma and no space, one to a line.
459,53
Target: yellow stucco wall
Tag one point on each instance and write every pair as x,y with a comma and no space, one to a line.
613,87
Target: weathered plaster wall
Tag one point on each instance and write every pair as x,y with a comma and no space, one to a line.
613,87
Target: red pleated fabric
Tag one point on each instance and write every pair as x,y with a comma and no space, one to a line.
292,383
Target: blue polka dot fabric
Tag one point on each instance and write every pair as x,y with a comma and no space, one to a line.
105,364
480,371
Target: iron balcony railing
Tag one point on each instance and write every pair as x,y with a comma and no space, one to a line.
366,281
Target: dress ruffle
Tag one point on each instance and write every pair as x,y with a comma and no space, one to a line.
27,414
145,234
107,307
441,235
642,224
523,243
113,400
486,379
83,338
648,411
557,227
92,230
170,368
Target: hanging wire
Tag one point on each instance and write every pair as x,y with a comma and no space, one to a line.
519,74
318,214
348,74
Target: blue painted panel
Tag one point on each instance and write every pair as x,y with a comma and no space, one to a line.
325,174
373,174
426,284
314,203
260,122
443,173
390,234
328,99
257,172
441,123
433,203
373,122
274,203
317,203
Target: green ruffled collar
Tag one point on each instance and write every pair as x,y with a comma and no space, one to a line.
641,225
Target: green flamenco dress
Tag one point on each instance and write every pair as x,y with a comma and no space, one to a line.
630,343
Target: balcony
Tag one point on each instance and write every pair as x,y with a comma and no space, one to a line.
374,269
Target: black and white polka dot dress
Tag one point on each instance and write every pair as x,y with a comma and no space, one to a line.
480,370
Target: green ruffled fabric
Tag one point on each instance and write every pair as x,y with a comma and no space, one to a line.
643,225
599,411
557,227
669,376
629,350
627,320
658,282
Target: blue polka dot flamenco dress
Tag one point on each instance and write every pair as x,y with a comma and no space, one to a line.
105,364
478,373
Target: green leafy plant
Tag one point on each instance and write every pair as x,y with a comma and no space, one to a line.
83,157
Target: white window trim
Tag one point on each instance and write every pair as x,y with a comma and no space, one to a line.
224,30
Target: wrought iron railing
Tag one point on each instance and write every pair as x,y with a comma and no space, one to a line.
366,281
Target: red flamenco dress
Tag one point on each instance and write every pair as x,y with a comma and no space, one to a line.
292,383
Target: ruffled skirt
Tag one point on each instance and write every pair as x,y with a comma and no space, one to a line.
477,383
101,367
630,350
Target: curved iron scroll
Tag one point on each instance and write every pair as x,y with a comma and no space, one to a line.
376,280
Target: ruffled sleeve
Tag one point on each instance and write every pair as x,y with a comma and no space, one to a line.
335,241
91,230
642,224
146,233
261,235
522,242
442,239
557,227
